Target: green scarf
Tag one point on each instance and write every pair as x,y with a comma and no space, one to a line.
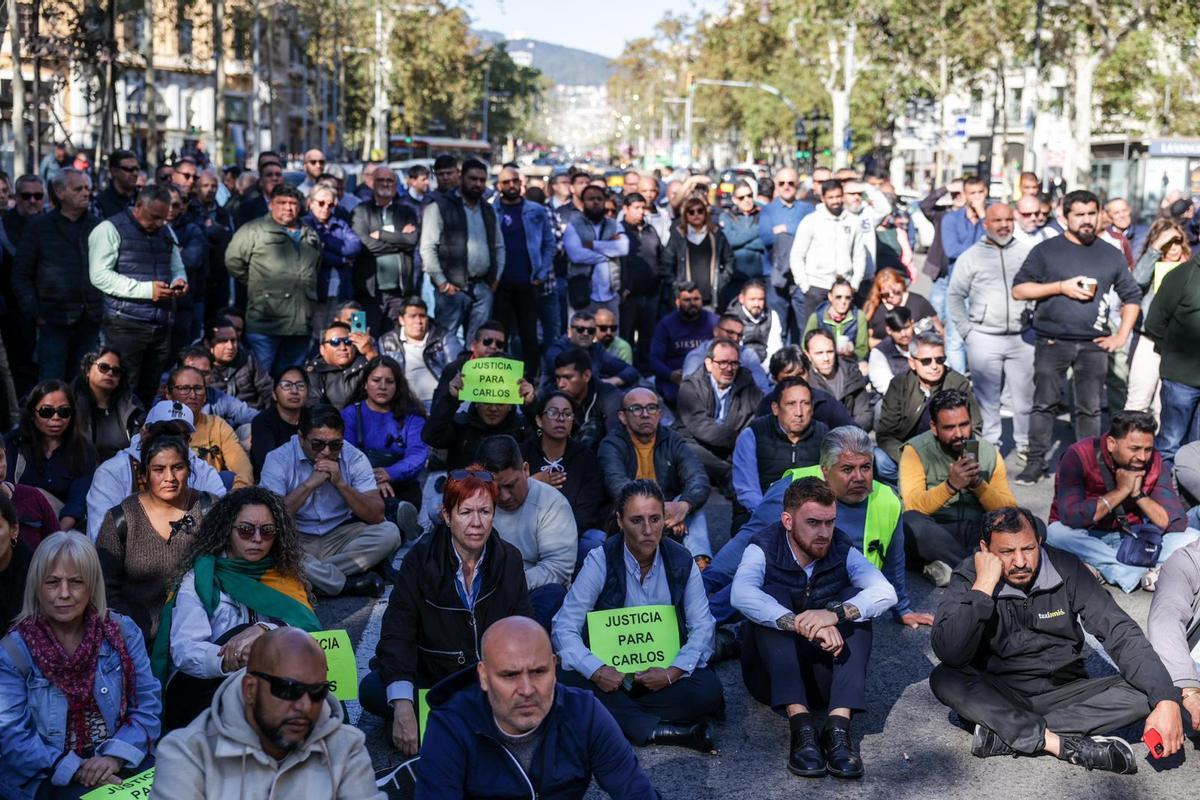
244,582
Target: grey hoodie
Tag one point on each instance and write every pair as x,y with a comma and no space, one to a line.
1174,625
218,757
980,291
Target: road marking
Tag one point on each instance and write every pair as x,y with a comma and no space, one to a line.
366,650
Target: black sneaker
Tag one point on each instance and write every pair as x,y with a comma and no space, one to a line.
841,757
1032,474
805,757
985,744
1109,753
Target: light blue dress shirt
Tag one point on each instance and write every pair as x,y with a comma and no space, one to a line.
287,467
569,622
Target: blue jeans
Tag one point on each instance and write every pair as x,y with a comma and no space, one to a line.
1178,418
696,539
469,307
549,311
275,353
886,470
1100,550
718,578
956,349
589,540
60,348
546,601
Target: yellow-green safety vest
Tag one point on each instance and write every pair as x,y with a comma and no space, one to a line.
883,512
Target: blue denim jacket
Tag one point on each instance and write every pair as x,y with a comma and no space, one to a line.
33,716
539,238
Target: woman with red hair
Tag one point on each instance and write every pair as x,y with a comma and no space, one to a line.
452,586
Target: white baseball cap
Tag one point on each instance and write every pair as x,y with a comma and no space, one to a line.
171,411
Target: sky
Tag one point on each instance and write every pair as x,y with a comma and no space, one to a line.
600,27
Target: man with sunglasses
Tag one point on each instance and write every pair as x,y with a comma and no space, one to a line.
1031,221
490,340
329,488
904,412
279,715
777,224
184,175
314,168
122,185
606,336
582,334
335,374
389,232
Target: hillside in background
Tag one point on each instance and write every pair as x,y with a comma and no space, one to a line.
562,65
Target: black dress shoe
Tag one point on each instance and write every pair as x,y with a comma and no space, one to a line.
985,743
805,758
840,754
693,735
726,648
364,584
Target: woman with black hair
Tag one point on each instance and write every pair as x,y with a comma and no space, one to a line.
280,421
142,540
385,420
48,452
109,413
14,564
699,252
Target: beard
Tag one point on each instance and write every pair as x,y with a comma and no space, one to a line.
1086,235
1001,241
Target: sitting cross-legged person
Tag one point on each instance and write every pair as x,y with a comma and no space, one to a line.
667,704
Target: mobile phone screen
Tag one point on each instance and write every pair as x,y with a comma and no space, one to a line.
358,322
971,448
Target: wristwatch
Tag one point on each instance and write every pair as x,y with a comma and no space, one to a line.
843,611
1136,497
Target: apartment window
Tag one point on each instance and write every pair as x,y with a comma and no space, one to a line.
185,31
977,102
1013,106
242,35
133,31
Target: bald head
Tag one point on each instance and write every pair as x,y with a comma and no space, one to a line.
516,671
648,188
509,184
998,222
314,163
384,185
1027,210
288,653
516,634
280,712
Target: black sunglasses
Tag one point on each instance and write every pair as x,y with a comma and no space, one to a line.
925,362
30,195
108,369
339,341
290,690
463,474
488,341
606,328
581,329
63,412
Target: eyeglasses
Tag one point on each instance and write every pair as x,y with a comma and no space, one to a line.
891,292
463,474
320,445
729,364
31,195
925,362
290,690
606,328
785,183
1028,213
194,389
488,341
696,212
731,334
247,531
743,197
648,410
191,176
293,386
316,161
583,329
108,369
129,170
554,413
48,412
339,341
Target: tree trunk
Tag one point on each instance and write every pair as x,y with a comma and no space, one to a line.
1083,65
150,91
20,139
218,46
839,121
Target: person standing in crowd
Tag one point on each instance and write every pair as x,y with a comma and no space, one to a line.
741,230
329,488
193,251
640,279
1173,324
340,248
121,191
462,250
777,224
82,719
1166,248
699,252
529,247
421,347
655,216
279,421
314,168
277,259
826,246
1029,228
946,489
50,279
485,735
270,178
1110,493
667,705
107,411
278,714
135,262
1121,224
960,229
676,335
594,245
1069,277
992,324
214,220
1010,637
388,230
840,377
807,594
448,174
889,358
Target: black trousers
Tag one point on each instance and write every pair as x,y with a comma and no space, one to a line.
718,465
639,315
515,307
1089,368
695,697
1021,712
144,349
782,669
927,540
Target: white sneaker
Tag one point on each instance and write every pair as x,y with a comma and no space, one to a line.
938,573
1150,580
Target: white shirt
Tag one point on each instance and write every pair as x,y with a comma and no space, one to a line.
194,633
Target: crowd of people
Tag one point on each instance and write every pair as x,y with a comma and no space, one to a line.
230,399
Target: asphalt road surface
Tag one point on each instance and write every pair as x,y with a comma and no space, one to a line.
909,746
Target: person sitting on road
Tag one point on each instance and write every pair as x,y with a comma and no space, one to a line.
1114,501
337,372
236,413
644,448
280,420
889,358
597,401
789,361
845,323
290,735
839,376
489,341
330,490
904,412
459,431
536,519
235,370
582,334
1010,637
213,440
463,566
107,410
949,479
507,725
714,407
809,596
1174,625
669,704
675,335
729,328
421,348
78,720
559,461
770,445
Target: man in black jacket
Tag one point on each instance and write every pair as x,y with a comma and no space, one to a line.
335,374
596,402
50,279
715,405
1010,633
122,185
640,280
383,276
